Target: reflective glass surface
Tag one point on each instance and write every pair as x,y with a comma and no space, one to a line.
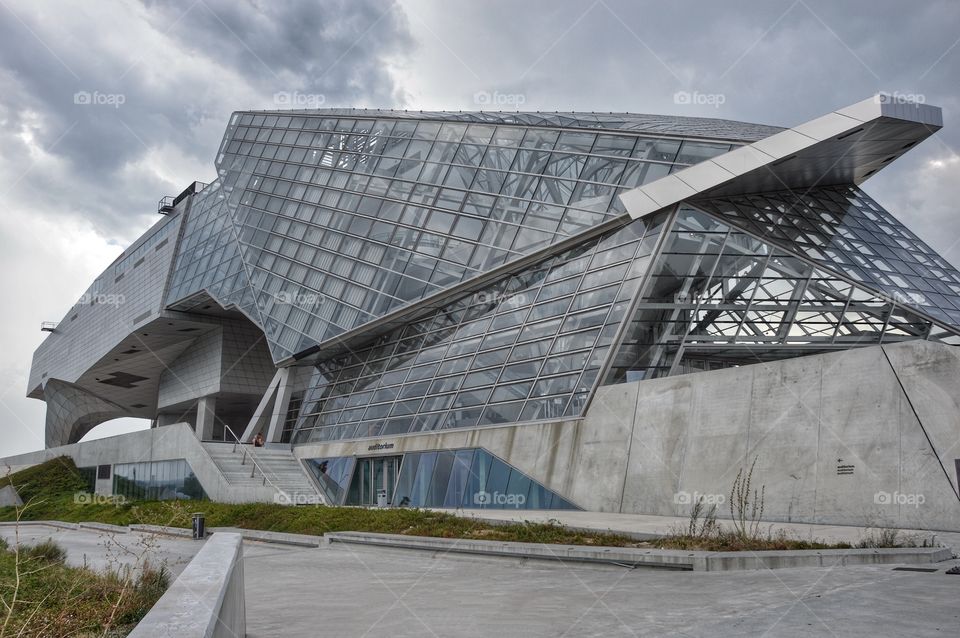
469,479
333,476
718,297
842,228
623,122
157,481
89,476
208,258
528,347
321,223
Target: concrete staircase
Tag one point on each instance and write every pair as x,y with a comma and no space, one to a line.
276,469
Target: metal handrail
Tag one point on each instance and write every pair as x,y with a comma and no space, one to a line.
253,459
169,202
165,204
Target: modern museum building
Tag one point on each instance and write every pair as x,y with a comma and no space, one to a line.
607,312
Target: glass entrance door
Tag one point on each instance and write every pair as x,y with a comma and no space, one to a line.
369,476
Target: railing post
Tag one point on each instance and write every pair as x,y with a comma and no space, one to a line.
254,465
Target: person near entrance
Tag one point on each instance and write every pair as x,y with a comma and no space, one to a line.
258,440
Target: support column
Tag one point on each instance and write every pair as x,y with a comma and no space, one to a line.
281,404
254,425
206,414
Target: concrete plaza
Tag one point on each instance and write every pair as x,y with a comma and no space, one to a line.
350,590
340,590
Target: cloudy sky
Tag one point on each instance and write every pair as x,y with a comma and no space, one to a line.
80,178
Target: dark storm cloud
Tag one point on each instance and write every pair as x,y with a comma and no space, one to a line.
776,62
101,89
106,106
335,47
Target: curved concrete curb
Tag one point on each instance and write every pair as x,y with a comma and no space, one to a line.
206,600
663,558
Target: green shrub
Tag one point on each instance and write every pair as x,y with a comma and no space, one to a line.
46,551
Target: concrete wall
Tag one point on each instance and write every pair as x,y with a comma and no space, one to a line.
193,374
9,497
868,436
232,358
835,436
170,442
207,599
89,330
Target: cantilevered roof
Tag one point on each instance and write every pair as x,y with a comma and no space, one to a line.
845,146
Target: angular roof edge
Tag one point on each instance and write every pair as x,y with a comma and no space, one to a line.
845,146
712,128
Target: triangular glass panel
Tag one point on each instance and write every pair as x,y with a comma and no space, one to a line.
719,297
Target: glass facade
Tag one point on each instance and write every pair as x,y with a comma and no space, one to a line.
323,222
842,228
157,481
333,476
208,259
468,478
716,297
527,348
620,122
335,221
89,476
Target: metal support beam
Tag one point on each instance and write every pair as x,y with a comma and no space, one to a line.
281,404
254,425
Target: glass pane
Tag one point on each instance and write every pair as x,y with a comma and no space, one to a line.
475,489
440,480
420,490
459,473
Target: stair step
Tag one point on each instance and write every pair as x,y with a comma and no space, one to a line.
283,470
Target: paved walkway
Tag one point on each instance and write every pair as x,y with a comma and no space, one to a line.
348,590
341,590
644,525
104,550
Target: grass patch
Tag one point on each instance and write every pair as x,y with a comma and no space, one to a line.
732,541
53,478
57,481
54,484
42,596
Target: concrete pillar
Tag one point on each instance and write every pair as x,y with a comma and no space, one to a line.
206,414
254,425
281,404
